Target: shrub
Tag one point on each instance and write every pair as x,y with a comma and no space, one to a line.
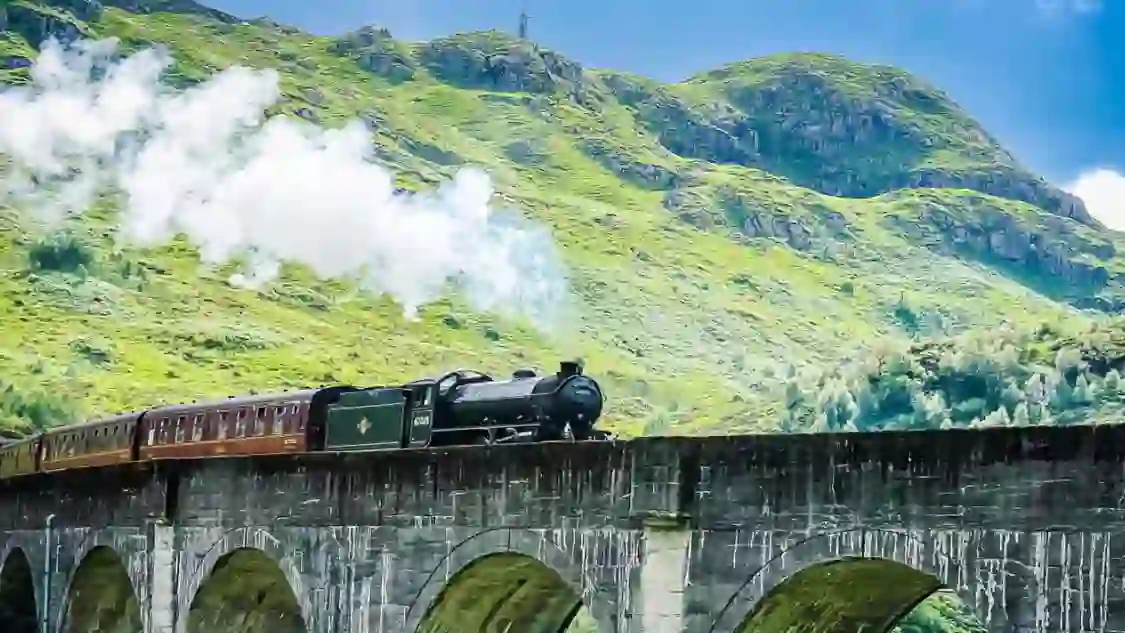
24,412
60,252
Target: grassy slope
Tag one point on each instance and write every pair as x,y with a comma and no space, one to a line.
686,324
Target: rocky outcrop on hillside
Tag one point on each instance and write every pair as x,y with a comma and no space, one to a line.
747,217
1003,182
375,51
1064,257
494,61
37,24
65,20
14,62
169,6
827,130
619,161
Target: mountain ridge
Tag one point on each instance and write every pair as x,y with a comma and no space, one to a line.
697,211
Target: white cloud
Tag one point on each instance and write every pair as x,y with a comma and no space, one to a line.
206,162
1103,191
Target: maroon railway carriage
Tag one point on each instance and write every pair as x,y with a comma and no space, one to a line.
251,425
99,443
19,457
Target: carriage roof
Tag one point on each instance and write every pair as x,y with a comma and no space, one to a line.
235,402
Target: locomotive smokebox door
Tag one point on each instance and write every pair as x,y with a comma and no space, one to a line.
366,420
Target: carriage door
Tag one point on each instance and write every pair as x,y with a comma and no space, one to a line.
422,414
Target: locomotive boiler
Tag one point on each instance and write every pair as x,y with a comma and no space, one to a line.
535,407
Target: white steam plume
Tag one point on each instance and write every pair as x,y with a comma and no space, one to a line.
1103,191
206,162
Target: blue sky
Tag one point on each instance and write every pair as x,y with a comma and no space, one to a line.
1047,77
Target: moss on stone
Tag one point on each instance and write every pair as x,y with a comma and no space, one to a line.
246,592
503,593
101,596
852,594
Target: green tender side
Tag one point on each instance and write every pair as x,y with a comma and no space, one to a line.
364,420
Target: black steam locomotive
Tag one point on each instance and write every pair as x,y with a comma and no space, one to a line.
466,407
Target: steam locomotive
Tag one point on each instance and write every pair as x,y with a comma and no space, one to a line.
463,407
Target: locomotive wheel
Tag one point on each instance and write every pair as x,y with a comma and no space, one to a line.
579,432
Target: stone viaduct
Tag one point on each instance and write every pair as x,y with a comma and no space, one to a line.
659,535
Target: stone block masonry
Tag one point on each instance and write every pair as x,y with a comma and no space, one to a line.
803,533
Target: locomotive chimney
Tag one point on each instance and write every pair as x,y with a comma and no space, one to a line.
569,368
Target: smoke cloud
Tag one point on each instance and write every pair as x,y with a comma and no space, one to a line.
208,163
1103,191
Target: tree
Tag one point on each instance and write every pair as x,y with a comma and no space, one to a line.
1020,417
1082,394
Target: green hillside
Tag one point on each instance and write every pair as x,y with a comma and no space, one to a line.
778,214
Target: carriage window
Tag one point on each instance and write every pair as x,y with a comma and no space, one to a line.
278,420
222,430
240,425
151,434
260,422
197,428
180,424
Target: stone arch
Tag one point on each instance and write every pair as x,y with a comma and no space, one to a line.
907,566
506,573
112,539
100,595
245,592
247,538
19,611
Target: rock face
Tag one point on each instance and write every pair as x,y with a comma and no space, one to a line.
1006,183
170,6
493,61
833,126
376,52
14,62
37,26
1058,250
627,168
749,218
88,10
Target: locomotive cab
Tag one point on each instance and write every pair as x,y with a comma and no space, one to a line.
423,395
